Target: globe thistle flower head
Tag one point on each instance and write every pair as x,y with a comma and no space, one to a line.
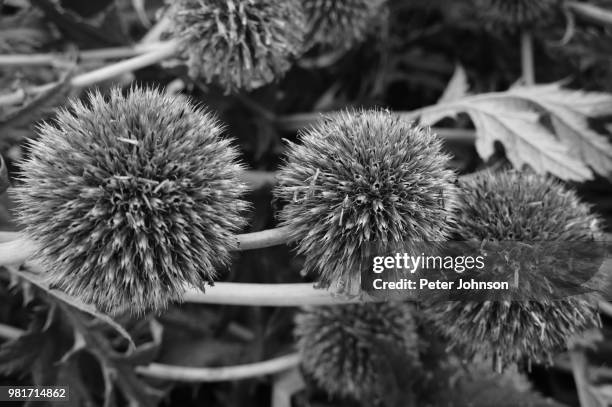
341,23
360,177
515,14
238,44
527,208
349,349
130,198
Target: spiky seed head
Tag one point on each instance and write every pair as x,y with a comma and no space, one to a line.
341,23
359,177
238,44
131,197
347,348
515,14
514,206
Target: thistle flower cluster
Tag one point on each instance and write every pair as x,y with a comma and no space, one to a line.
129,198
349,350
238,44
359,177
341,23
515,14
522,207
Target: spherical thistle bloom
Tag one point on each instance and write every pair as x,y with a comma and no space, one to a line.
238,44
524,208
349,350
358,178
130,198
341,23
516,14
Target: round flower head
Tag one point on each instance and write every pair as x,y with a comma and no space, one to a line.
341,23
129,198
238,44
524,208
514,14
359,177
349,350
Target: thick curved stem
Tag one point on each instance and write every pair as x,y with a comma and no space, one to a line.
219,374
266,295
19,249
264,238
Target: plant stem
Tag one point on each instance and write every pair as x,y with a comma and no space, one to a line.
527,62
579,369
591,12
10,332
267,295
258,179
87,55
19,249
285,385
161,52
219,374
264,238
195,374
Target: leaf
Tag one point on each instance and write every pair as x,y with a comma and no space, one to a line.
118,368
39,282
457,87
36,107
17,355
22,33
37,349
569,113
53,351
477,386
545,127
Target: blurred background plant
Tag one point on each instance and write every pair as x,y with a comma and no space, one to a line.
449,64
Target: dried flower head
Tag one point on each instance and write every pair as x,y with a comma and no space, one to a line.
341,23
350,350
238,44
514,206
359,177
130,198
513,14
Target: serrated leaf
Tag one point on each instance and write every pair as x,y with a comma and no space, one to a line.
118,368
570,111
475,385
37,106
39,282
457,87
59,336
23,32
17,355
545,127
